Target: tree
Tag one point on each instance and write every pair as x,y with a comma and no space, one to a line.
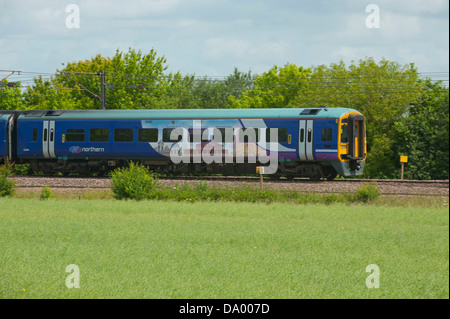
423,133
48,95
10,96
133,80
273,89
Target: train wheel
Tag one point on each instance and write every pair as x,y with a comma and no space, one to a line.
331,176
315,178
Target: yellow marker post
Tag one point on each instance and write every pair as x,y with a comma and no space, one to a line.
403,160
260,171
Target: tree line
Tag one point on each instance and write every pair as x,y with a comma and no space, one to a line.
406,115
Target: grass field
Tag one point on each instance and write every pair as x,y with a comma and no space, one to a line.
164,249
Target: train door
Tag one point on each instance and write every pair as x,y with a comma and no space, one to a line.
48,139
9,143
356,134
305,147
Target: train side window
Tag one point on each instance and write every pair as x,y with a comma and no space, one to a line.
249,135
344,134
302,135
327,135
35,134
123,135
216,133
75,135
166,135
99,135
148,135
198,135
282,135
309,136
224,134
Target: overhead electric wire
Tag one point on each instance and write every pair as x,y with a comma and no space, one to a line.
373,83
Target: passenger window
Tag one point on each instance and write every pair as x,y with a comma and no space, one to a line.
99,135
35,134
75,135
282,135
327,135
220,131
123,135
344,134
75,138
249,135
198,134
224,133
167,132
148,135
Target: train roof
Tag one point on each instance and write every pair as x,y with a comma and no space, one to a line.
188,113
5,115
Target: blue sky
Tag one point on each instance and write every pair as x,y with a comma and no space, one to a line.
211,37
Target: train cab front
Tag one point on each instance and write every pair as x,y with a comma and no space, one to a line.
352,145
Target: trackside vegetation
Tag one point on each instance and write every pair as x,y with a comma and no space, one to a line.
136,182
6,186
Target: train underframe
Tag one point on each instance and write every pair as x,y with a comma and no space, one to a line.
312,170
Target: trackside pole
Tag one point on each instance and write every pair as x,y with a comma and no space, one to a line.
403,160
260,171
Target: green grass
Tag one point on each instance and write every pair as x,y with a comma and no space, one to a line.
166,249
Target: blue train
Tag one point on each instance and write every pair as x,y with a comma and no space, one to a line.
315,142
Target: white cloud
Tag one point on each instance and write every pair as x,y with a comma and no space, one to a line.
203,36
234,51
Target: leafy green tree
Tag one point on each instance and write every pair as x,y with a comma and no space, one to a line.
46,95
273,89
423,134
238,83
133,79
10,96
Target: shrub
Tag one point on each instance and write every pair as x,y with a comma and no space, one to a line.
133,182
6,186
333,198
46,193
366,193
23,169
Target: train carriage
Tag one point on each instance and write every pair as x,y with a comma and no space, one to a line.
315,142
6,126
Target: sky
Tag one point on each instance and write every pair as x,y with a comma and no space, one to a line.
212,37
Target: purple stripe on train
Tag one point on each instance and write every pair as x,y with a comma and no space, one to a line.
324,155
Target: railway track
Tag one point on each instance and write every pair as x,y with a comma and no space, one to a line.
387,187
